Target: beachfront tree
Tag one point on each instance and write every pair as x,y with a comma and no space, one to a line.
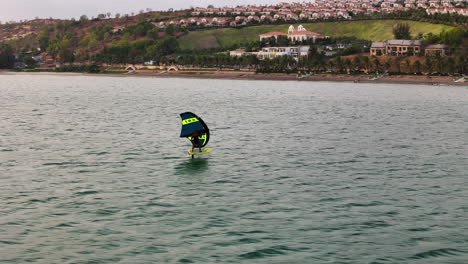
407,65
387,65
303,63
331,65
348,65
398,64
376,63
417,66
339,63
462,64
429,65
367,63
439,63
357,63
321,62
7,59
450,65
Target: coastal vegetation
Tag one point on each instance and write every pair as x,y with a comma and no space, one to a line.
84,45
373,30
7,58
318,63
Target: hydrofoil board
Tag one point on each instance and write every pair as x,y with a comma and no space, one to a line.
205,151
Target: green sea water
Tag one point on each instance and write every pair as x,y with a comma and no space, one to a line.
92,170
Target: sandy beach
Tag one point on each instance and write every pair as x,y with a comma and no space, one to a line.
239,75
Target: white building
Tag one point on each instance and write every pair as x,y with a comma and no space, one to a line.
299,34
273,52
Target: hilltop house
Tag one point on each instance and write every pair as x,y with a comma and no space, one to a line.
299,34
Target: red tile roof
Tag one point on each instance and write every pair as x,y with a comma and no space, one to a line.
273,34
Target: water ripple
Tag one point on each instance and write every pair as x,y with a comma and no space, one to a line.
92,170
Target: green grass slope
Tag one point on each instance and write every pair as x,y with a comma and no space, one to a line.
375,30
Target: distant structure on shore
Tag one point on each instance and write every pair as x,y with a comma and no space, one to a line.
403,47
273,52
299,34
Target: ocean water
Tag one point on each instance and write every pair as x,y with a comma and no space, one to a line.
92,170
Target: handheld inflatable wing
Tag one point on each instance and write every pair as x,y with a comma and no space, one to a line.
191,123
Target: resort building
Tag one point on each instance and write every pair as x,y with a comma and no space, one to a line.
274,52
396,47
400,47
299,34
241,52
436,50
377,49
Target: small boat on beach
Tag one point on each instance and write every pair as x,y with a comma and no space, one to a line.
302,75
460,79
376,76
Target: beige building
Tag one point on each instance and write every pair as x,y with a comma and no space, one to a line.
436,50
396,47
399,47
377,49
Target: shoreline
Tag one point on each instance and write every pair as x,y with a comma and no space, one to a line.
236,75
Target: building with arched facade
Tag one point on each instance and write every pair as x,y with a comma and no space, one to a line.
294,35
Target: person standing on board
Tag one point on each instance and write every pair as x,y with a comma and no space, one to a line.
196,141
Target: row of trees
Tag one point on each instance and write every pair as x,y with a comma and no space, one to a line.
220,60
319,63
367,64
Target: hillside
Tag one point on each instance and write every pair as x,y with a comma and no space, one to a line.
374,30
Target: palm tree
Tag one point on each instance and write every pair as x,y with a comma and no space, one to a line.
408,65
429,65
321,63
417,65
339,63
387,65
331,65
438,63
461,64
357,63
366,62
376,63
450,65
347,64
398,64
